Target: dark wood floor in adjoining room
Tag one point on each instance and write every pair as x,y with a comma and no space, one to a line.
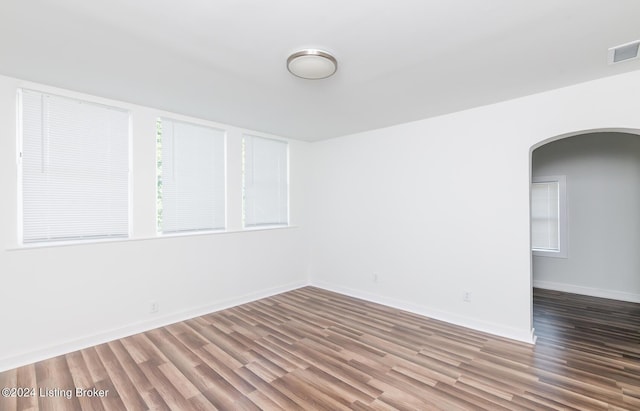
311,349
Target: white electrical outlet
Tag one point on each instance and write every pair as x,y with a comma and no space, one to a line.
466,296
375,277
154,307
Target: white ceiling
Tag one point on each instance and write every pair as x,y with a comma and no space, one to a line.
399,60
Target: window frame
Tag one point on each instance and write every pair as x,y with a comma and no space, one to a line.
194,231
269,225
562,251
20,129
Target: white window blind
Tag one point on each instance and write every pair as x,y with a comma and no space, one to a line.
191,185
265,182
75,169
545,216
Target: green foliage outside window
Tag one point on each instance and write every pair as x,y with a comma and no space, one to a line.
159,174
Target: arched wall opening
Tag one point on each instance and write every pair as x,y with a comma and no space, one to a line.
602,171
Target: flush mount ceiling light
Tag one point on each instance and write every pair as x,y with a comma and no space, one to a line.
312,64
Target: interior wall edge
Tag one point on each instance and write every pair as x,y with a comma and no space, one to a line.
592,292
30,357
520,335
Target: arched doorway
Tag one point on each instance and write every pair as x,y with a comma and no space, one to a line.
598,254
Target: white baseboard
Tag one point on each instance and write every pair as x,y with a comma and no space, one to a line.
593,292
30,357
525,336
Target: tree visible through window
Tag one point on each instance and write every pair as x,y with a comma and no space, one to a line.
159,173
191,177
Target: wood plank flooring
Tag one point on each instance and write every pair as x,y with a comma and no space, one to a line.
311,349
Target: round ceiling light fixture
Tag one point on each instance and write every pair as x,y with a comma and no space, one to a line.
312,64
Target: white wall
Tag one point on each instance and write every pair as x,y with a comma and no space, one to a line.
441,206
603,208
57,299
434,208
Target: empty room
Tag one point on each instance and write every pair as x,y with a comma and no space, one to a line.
319,205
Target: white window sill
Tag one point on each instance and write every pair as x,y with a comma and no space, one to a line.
160,236
265,227
550,253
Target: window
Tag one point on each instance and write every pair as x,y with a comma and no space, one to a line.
191,177
74,169
265,182
548,216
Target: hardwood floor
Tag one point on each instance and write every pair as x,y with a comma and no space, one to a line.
311,349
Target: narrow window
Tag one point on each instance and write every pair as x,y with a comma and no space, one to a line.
74,173
548,216
265,182
191,177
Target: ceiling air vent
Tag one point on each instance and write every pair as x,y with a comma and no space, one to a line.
624,52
